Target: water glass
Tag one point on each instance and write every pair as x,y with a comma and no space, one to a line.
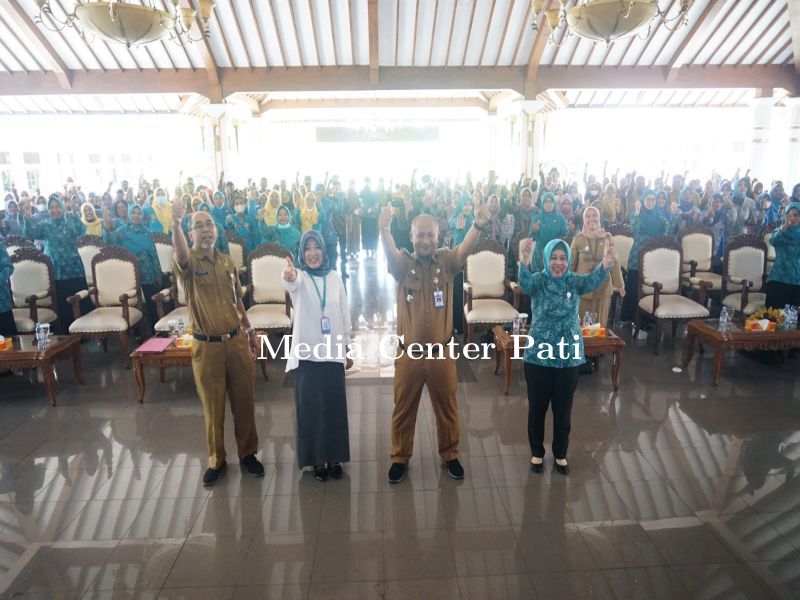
173,328
523,322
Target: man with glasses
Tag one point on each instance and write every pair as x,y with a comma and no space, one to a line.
224,346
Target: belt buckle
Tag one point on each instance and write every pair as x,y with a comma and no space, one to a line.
225,337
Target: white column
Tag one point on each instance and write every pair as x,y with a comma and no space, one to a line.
793,168
492,121
759,145
210,146
537,144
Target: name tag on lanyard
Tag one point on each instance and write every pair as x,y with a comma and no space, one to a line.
438,299
325,325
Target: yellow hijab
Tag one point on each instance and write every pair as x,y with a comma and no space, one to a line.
163,212
309,216
270,210
92,227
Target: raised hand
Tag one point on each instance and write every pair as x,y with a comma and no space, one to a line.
536,227
178,211
385,220
525,251
461,221
637,206
481,215
289,273
609,254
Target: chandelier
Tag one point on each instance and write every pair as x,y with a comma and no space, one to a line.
607,20
126,23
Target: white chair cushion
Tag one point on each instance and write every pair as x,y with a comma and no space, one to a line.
30,278
662,265
107,318
746,263
770,247
755,300
490,311
165,252
87,253
698,247
623,244
179,313
673,306
113,278
266,278
487,273
237,255
268,316
714,278
24,323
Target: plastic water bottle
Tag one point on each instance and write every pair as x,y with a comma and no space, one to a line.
181,328
724,318
587,319
515,325
790,317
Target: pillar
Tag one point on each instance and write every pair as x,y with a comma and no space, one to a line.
793,167
492,121
759,163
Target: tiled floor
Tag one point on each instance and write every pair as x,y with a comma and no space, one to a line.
678,489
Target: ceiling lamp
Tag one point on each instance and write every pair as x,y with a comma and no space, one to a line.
607,20
129,23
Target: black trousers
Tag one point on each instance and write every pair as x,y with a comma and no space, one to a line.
631,294
550,386
64,289
343,252
780,294
8,328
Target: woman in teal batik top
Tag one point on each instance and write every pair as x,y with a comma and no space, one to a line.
243,225
284,233
783,284
556,349
548,225
7,326
60,231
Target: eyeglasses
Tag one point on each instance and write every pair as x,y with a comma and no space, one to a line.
204,225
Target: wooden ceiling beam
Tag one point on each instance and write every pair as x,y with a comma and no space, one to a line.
535,60
794,24
503,35
333,32
450,37
214,88
706,20
372,24
259,33
469,32
772,43
414,35
351,16
521,34
759,35
739,24
314,33
488,29
238,23
37,39
278,34
366,103
433,33
263,80
651,37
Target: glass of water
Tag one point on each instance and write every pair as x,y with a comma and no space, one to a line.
523,322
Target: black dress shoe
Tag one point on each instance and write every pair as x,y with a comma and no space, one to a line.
537,467
397,472
454,469
252,466
336,470
321,473
562,469
211,476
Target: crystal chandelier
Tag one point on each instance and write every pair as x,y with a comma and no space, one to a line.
607,20
128,23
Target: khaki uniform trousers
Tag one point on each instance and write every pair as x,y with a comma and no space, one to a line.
410,376
221,367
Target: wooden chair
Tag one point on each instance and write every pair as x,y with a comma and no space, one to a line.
174,298
238,252
15,242
744,274
165,251
486,289
33,290
623,242
697,245
766,235
117,297
271,307
659,293
89,246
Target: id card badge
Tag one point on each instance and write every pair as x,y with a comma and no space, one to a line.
325,325
438,299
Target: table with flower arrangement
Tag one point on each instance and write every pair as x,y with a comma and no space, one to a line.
22,352
737,336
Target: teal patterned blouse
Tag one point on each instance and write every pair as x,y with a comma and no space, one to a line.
138,240
554,313
787,256
6,269
60,243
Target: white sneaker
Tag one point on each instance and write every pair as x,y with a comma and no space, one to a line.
642,335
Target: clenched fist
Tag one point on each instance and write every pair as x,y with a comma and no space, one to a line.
525,251
289,273
178,211
481,215
385,220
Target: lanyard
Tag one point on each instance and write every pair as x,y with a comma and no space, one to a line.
323,297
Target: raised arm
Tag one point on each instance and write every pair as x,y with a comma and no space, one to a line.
393,255
179,242
472,236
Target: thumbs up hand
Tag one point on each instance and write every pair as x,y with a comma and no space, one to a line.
609,254
289,273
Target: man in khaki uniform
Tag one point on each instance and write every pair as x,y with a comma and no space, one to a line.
425,315
224,344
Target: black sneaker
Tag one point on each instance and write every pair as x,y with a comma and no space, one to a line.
321,473
211,476
336,470
252,466
397,472
454,469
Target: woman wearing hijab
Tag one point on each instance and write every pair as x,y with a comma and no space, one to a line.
159,216
608,206
60,232
783,283
284,233
13,221
120,213
744,206
270,215
461,221
310,215
551,379
322,317
773,213
243,226
8,327
587,251
94,226
688,214
369,218
645,224
137,239
546,226
219,209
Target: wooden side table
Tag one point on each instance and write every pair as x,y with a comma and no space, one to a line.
27,355
171,357
611,343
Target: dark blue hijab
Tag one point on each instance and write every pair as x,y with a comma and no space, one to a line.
325,268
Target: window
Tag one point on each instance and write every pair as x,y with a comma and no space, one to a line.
31,158
5,158
32,176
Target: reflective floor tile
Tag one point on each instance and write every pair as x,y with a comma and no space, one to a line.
219,558
571,584
497,587
707,582
289,591
415,554
621,544
556,547
138,564
228,515
103,520
688,543
486,551
351,513
342,557
204,593
290,514
658,583
278,558
433,589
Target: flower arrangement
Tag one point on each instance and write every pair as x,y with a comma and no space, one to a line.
765,319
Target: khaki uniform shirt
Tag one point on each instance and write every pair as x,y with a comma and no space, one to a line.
586,255
209,285
418,320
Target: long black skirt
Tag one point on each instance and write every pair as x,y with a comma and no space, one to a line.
321,414
369,233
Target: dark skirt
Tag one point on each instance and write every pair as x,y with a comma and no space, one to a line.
8,328
64,289
321,414
369,233
631,295
780,294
